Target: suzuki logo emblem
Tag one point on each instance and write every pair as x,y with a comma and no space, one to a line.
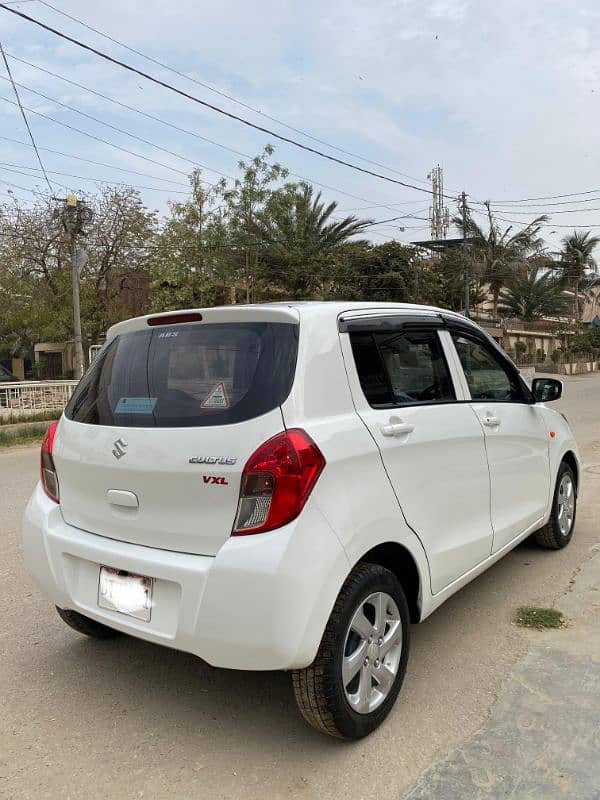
120,448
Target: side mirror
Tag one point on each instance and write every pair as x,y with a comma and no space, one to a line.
545,390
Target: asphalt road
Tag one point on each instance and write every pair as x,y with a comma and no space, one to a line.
127,719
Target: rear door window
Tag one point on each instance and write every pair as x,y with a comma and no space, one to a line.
402,368
197,375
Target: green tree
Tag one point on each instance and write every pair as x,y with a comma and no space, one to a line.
532,294
35,268
189,263
244,216
115,278
498,253
577,262
441,281
300,234
360,270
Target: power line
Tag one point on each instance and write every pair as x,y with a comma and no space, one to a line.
541,224
547,197
552,213
128,107
23,188
224,94
381,205
25,120
395,219
210,106
19,167
120,130
96,163
196,135
100,139
541,206
97,180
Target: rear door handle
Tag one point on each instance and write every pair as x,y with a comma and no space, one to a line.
492,422
397,429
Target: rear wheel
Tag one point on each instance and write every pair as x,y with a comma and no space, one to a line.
86,625
353,682
558,530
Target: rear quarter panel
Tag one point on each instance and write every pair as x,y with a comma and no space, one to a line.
354,493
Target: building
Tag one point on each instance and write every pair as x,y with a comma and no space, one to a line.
54,360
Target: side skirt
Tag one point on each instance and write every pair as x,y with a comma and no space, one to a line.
435,601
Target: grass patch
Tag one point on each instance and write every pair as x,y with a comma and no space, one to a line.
37,416
28,436
539,618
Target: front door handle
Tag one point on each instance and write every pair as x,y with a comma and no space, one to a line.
397,429
492,422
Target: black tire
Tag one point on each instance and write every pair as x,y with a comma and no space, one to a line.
550,536
319,688
86,625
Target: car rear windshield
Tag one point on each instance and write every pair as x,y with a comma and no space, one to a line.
197,375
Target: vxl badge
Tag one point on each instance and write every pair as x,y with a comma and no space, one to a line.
120,448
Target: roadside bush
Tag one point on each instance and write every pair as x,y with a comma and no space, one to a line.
520,349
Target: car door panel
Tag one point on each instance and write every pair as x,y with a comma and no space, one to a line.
517,449
516,439
433,451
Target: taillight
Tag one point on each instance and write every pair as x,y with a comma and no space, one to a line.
48,470
277,481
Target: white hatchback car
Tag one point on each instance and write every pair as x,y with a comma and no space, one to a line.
289,486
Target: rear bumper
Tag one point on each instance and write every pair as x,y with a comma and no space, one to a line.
261,603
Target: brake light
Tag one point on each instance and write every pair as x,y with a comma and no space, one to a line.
174,319
47,469
277,481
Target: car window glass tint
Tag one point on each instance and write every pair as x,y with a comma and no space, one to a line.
415,366
401,368
197,375
369,366
486,377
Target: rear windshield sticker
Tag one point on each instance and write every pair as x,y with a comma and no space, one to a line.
135,405
217,398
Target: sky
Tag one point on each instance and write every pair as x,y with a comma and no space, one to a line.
504,95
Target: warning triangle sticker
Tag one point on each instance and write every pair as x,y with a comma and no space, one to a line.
217,398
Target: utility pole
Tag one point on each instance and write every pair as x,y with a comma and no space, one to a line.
464,213
74,214
439,216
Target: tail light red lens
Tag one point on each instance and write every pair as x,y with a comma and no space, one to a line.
277,482
48,470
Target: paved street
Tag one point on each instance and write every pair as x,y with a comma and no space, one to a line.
487,709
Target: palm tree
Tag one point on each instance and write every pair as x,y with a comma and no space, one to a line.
299,237
501,253
298,225
577,262
532,294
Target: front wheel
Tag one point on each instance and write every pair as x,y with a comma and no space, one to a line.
557,532
353,682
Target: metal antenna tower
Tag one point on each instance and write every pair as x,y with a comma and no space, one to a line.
439,216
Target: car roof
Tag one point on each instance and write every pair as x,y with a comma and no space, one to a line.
335,308
292,309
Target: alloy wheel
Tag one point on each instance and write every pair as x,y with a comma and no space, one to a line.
372,651
566,504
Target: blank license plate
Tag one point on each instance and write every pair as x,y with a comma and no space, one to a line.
125,592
